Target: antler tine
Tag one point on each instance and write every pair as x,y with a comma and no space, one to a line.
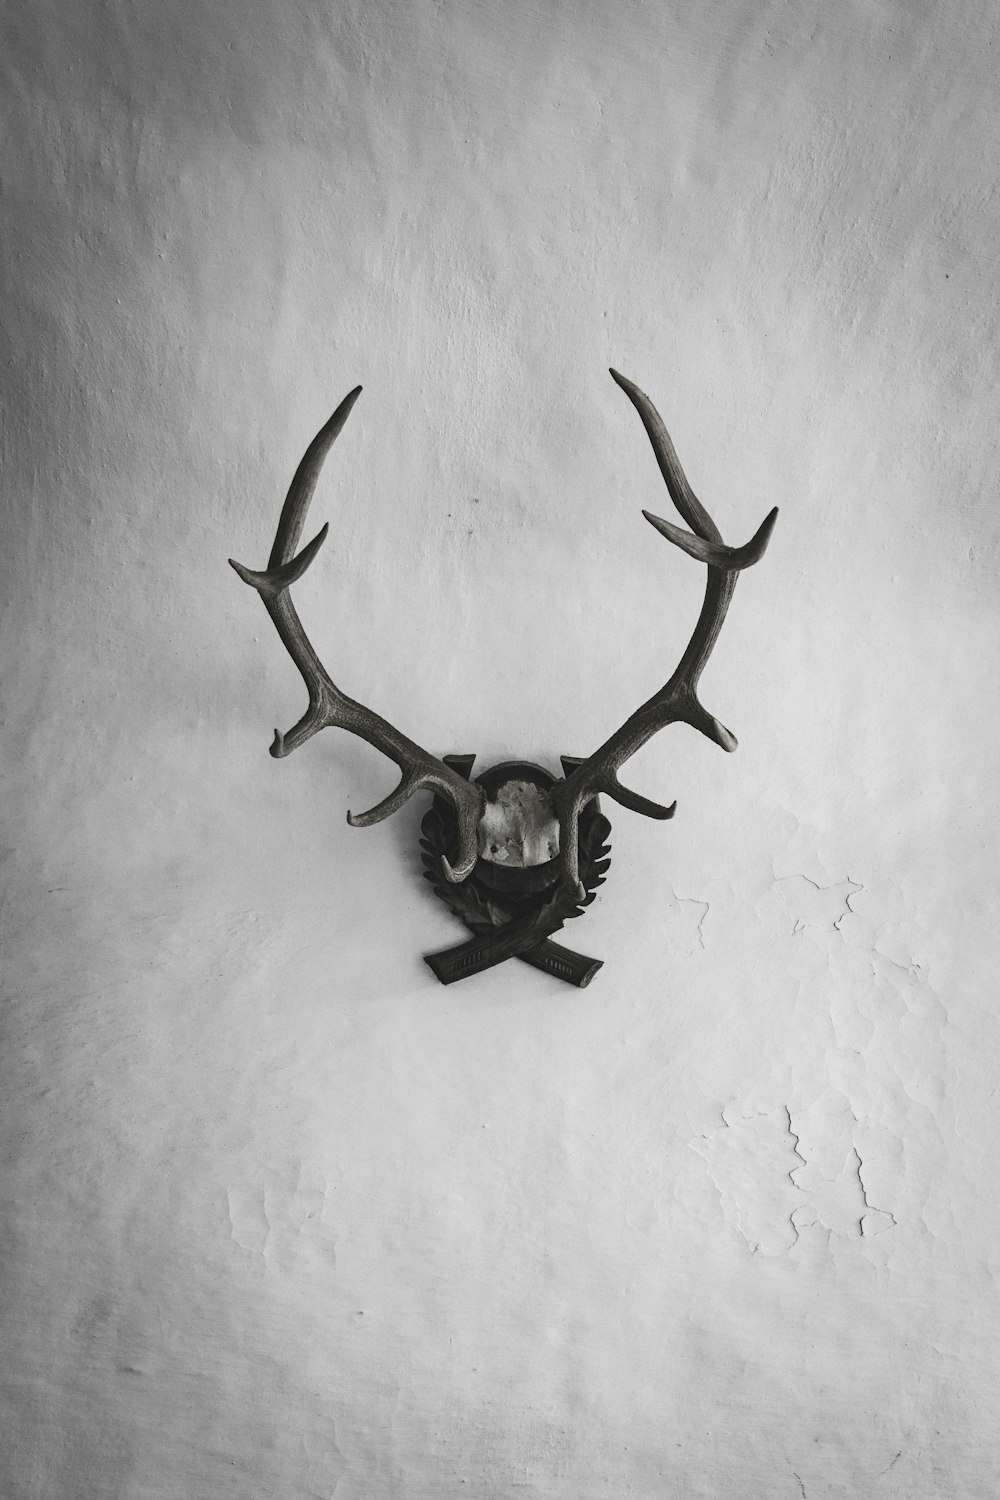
328,706
681,493
303,485
677,700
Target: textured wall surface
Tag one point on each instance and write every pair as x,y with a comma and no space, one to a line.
281,1217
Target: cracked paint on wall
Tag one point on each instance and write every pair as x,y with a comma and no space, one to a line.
769,1202
280,1216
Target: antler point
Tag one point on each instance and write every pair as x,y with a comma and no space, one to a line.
455,874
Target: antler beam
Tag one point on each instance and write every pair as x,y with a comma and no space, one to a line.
328,706
677,701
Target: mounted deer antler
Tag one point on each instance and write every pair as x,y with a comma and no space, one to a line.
328,706
677,700
518,835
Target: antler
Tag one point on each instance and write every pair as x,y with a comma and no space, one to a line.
327,704
677,700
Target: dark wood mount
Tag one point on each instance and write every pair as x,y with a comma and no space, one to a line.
513,911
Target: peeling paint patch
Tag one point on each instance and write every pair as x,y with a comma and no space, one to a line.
811,905
752,1160
248,1223
874,1220
285,1224
771,1189
683,922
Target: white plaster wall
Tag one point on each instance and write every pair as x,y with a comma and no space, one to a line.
281,1216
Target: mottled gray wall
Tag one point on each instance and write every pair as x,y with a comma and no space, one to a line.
281,1217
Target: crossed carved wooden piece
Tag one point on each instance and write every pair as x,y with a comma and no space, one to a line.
512,909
